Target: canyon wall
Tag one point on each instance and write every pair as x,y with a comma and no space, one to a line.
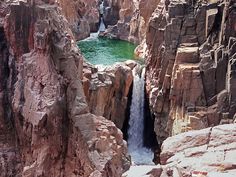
133,19
111,11
82,16
107,90
46,126
190,62
189,50
54,107
208,152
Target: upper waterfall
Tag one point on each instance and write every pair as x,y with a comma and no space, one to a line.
139,154
102,27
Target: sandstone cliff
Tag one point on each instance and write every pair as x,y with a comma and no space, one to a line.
189,49
52,125
208,152
46,127
82,16
133,20
191,65
107,90
111,11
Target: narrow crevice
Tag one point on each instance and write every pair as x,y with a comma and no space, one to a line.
216,25
127,114
7,81
4,86
65,129
150,140
209,137
204,87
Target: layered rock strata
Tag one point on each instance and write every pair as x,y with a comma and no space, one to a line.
107,90
111,12
83,16
10,163
191,65
46,127
133,20
208,152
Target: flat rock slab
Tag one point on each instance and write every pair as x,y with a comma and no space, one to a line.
143,171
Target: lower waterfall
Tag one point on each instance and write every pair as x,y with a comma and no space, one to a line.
139,154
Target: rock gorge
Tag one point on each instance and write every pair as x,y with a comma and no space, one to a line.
46,126
61,116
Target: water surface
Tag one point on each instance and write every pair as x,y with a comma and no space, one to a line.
99,50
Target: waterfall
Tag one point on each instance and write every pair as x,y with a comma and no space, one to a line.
139,154
102,27
94,36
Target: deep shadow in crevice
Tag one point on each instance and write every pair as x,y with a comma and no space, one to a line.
150,140
127,114
5,74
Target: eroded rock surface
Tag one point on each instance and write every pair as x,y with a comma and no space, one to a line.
10,161
133,19
46,127
82,16
107,90
208,151
111,11
191,65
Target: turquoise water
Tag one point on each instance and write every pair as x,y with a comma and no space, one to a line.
99,50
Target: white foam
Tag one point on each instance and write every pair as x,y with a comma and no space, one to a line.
139,171
92,37
139,154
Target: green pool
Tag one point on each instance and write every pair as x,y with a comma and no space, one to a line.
99,50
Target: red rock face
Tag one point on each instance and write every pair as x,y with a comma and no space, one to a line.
210,152
107,90
46,127
82,16
190,61
111,12
9,153
133,19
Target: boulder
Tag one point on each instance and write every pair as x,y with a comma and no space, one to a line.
208,152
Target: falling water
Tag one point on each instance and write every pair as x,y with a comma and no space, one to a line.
102,27
139,154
